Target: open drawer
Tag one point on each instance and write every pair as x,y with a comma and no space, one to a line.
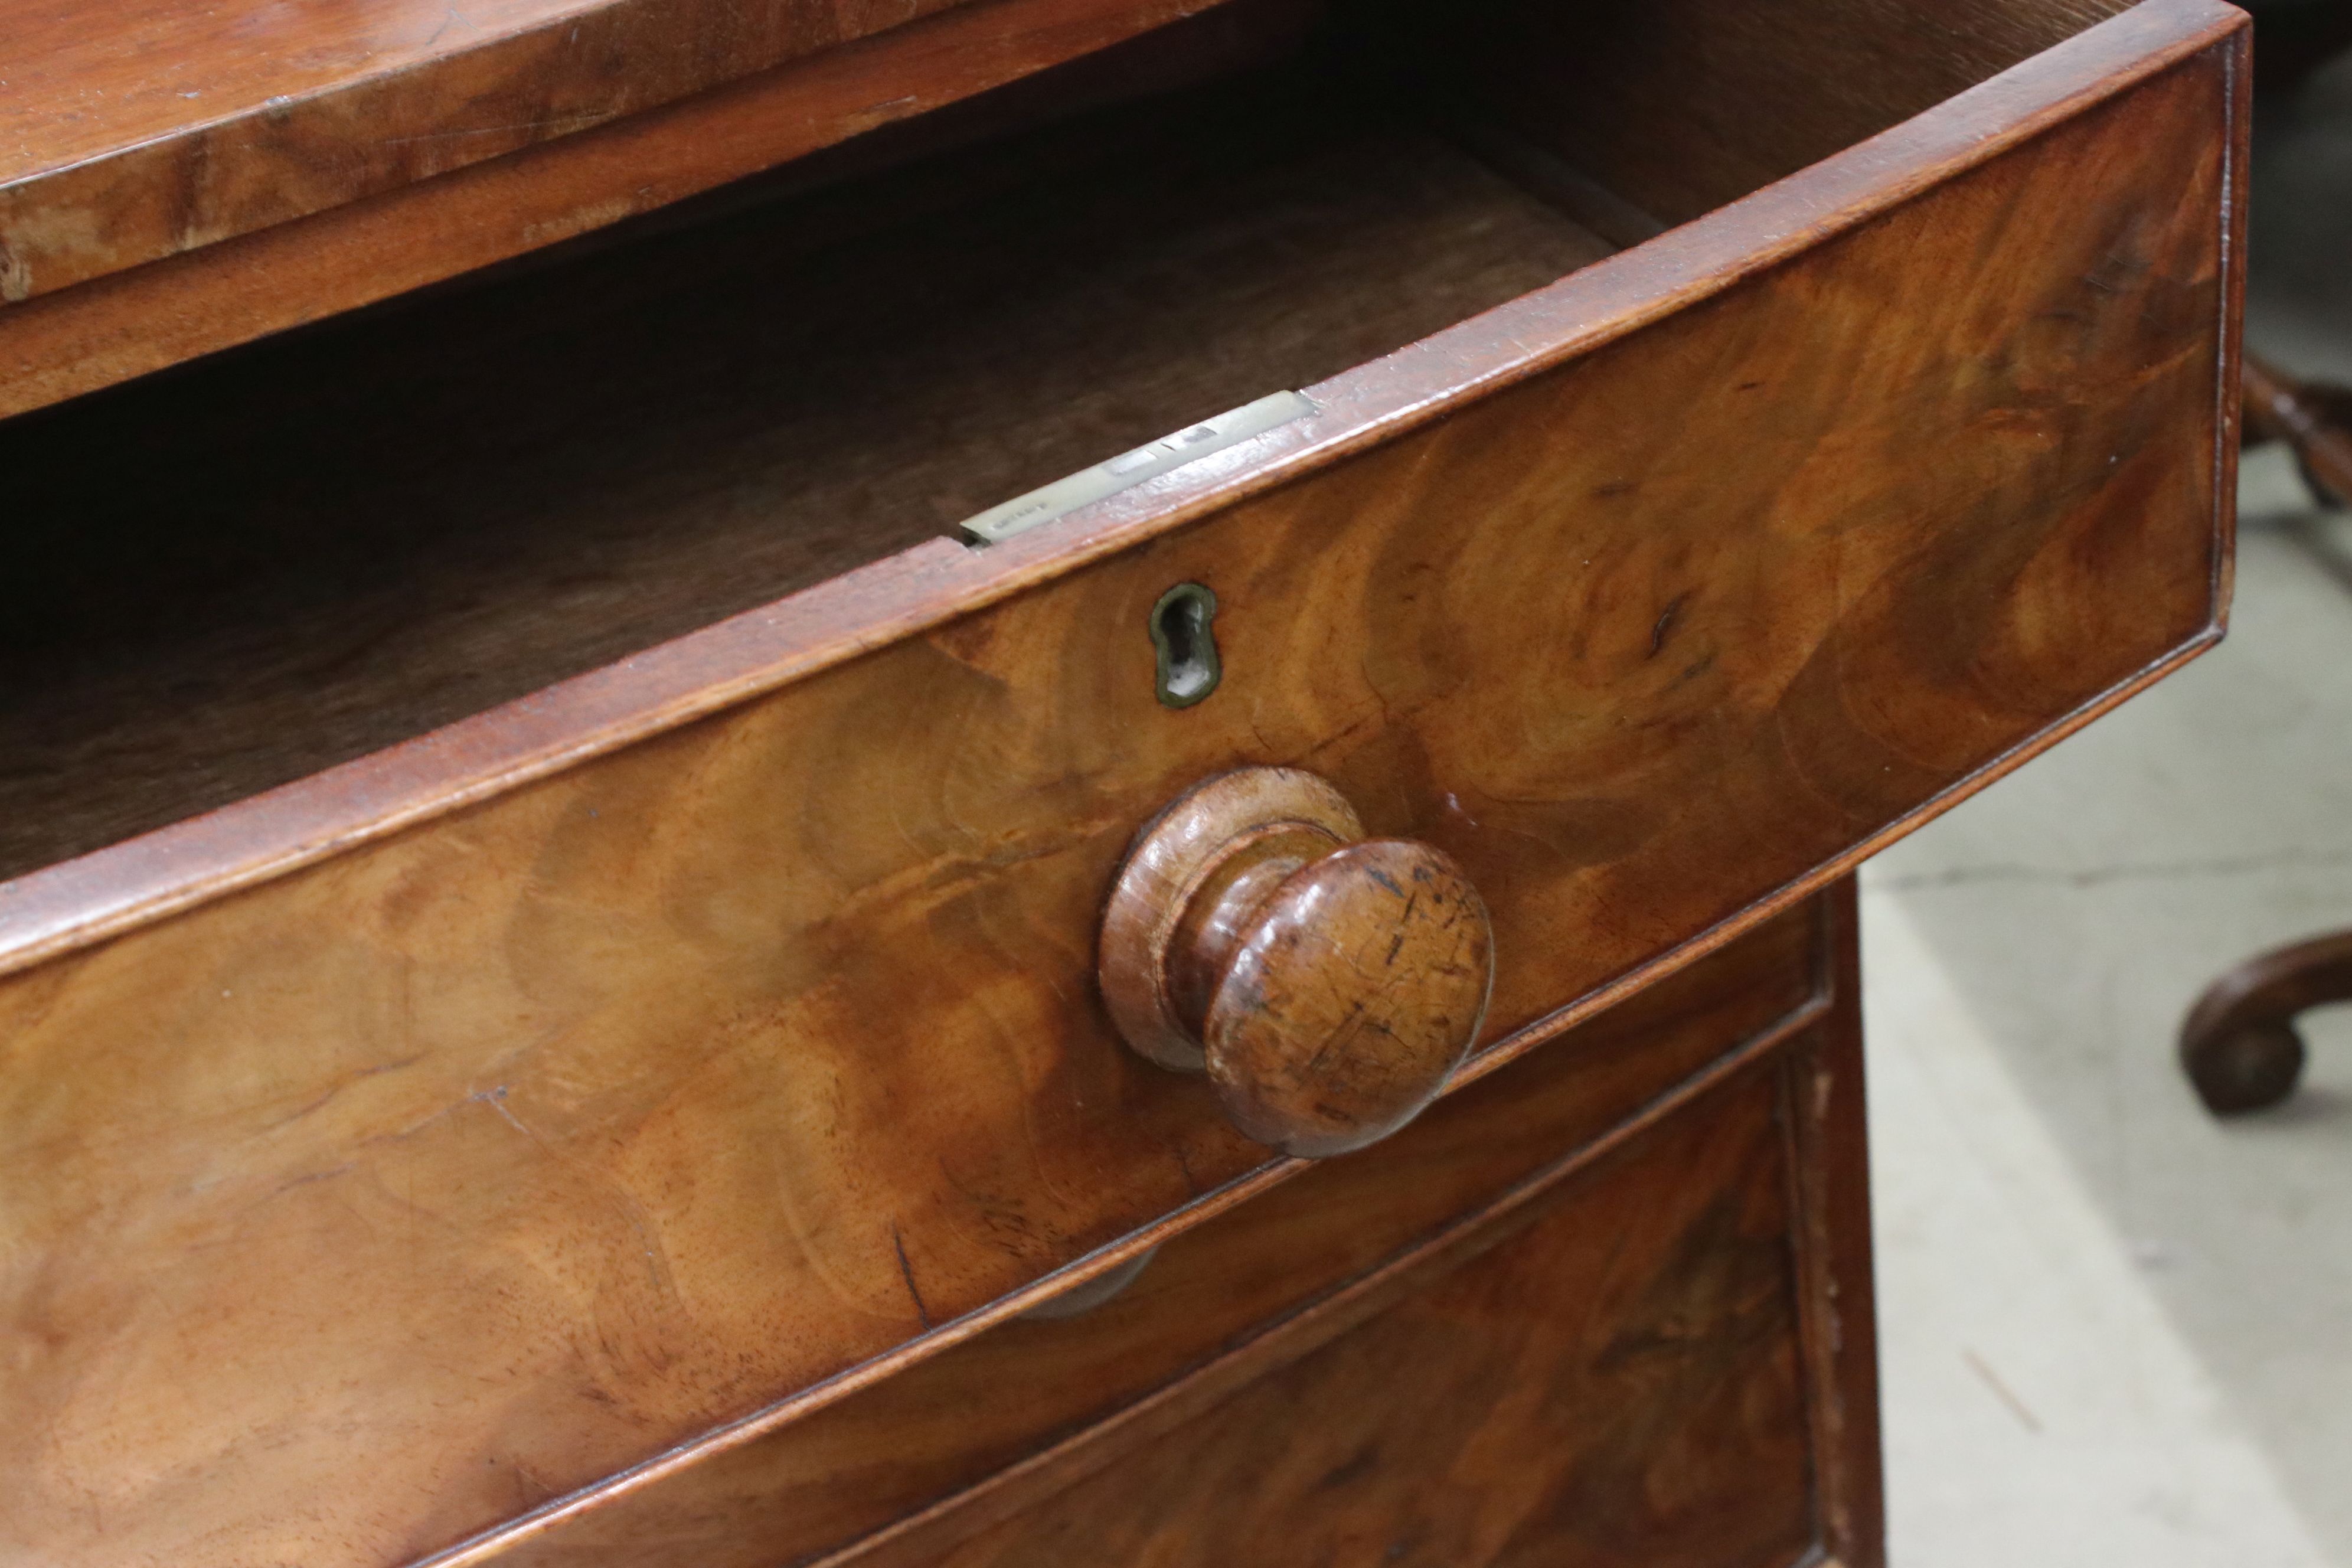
457,1044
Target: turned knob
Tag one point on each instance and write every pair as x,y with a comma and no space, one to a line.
1326,983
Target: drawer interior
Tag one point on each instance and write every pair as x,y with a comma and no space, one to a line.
241,572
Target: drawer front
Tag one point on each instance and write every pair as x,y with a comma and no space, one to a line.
1015,1397
390,1198
1616,1377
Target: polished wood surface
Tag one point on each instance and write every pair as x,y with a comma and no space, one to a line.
158,213
1328,987
927,584
1092,1294
547,474
136,130
2238,1044
1612,1376
642,1104
658,1061
1020,1398
119,324
1194,869
1351,996
1829,1130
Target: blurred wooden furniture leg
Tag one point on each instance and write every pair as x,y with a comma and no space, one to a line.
2238,1044
2313,417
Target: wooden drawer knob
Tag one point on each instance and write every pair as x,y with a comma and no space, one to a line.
1326,983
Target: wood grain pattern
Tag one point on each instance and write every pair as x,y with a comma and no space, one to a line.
1175,880
1679,106
1015,1394
1618,1383
532,479
142,130
137,129
1820,1113
1829,1161
597,1115
926,586
124,323
1328,985
1356,989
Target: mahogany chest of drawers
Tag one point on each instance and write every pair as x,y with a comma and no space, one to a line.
1014,782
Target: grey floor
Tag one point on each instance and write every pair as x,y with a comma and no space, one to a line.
2116,1330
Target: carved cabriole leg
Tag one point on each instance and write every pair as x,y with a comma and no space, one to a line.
2239,1045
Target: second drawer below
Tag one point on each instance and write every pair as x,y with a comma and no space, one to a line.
1027,1407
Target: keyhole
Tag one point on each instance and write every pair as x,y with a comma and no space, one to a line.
1189,666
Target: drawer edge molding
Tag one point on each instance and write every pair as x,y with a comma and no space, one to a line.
1276,1345
83,901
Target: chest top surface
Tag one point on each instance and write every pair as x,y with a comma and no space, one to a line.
134,129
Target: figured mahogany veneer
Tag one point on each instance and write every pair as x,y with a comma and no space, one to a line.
1610,1376
1002,1423
137,129
430,1151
